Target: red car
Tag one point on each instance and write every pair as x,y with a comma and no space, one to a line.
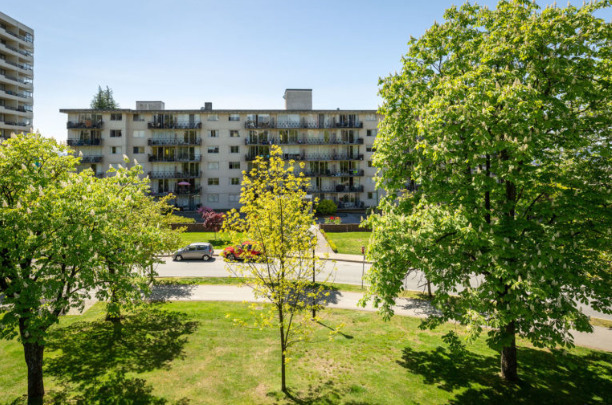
246,250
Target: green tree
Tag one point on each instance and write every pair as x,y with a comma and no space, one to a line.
276,219
103,100
501,118
54,227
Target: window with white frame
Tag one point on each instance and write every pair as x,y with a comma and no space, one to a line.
212,165
116,117
213,133
212,117
234,117
213,181
234,149
115,150
235,181
115,133
371,132
370,195
234,197
234,133
212,197
139,134
138,149
370,163
213,149
370,117
234,165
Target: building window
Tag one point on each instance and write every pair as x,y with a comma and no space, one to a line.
370,117
115,133
370,163
234,197
213,149
370,148
138,149
213,117
370,195
234,149
212,198
137,118
371,132
234,117
116,117
235,181
234,165
213,166
213,133
213,181
115,150
138,134
234,133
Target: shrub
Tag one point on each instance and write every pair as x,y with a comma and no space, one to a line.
326,207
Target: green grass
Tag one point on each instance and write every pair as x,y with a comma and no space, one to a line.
349,242
190,352
191,237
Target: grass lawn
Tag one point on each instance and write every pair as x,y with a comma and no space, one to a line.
191,237
349,242
190,352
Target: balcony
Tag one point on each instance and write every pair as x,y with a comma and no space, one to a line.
329,173
309,157
84,142
178,191
84,124
176,158
174,175
91,159
16,123
306,141
174,125
25,38
27,96
351,204
174,142
340,188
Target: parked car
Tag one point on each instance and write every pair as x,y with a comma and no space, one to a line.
198,250
246,250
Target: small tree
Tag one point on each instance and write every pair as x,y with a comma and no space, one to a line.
502,119
276,219
104,100
326,207
213,221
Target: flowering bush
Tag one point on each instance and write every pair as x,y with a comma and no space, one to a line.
333,220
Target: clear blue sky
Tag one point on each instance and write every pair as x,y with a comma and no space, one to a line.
237,54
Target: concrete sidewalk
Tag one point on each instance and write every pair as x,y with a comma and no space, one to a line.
600,339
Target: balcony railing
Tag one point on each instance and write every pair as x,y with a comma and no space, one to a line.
306,141
84,124
309,157
28,38
174,175
21,51
351,204
18,94
84,142
271,124
330,173
340,188
174,125
177,191
176,158
16,123
174,141
91,159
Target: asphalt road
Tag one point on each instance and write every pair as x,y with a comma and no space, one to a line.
338,272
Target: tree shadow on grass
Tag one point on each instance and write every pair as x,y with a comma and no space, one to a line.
546,378
165,291
91,354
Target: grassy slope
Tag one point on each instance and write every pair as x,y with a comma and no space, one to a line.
349,242
168,356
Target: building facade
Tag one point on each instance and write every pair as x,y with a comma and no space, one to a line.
16,76
199,155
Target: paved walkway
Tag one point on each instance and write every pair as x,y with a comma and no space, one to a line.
600,339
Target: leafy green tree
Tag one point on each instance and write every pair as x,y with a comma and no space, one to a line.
495,153
55,228
103,100
276,219
326,207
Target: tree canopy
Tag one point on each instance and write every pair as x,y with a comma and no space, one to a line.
61,233
103,100
495,155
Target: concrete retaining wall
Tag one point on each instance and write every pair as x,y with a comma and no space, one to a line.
343,228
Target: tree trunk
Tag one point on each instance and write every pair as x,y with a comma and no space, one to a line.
509,365
429,289
33,353
283,348
113,310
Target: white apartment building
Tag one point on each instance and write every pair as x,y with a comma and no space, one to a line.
16,76
200,155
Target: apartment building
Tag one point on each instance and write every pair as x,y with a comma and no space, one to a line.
16,76
199,155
